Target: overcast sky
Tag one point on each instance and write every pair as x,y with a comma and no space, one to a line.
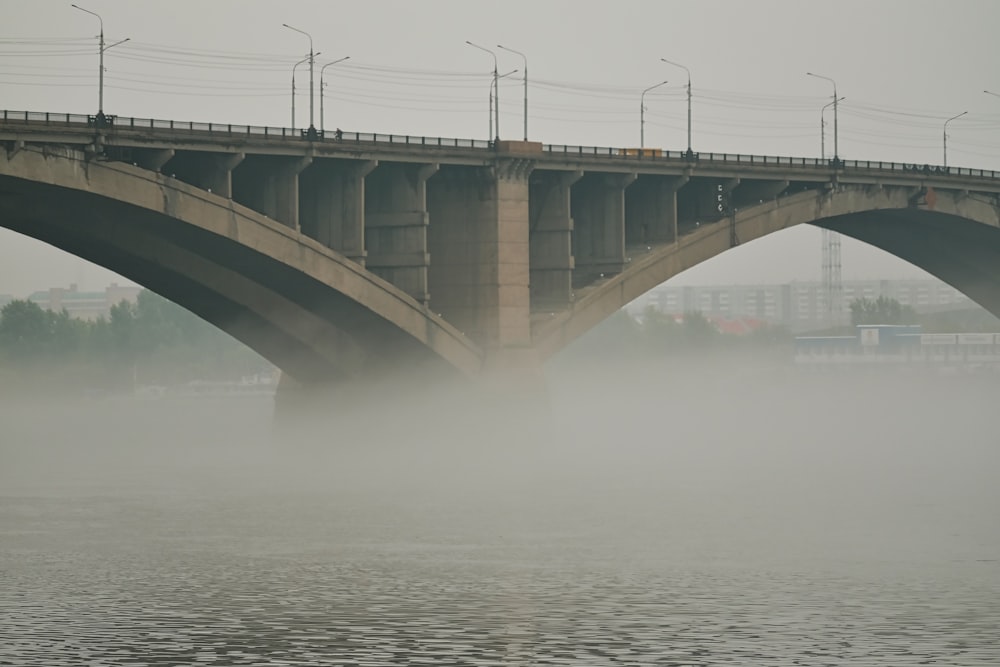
903,66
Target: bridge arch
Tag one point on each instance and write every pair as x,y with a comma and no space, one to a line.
952,234
314,313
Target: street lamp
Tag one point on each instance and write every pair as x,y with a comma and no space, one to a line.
493,85
822,128
836,150
100,77
496,77
322,69
993,94
642,114
669,62
525,58
294,67
944,143
312,61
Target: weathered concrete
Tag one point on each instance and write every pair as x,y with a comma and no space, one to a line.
312,311
396,221
957,239
651,210
598,210
270,185
332,204
478,240
551,239
343,259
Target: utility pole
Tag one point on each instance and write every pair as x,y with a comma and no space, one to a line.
101,118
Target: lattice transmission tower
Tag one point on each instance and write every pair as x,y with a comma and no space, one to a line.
831,278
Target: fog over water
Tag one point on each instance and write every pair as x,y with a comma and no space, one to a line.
704,513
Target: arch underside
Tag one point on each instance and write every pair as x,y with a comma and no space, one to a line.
272,302
963,253
958,242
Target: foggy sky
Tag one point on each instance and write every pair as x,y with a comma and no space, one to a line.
904,67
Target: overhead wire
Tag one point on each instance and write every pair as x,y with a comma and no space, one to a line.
449,91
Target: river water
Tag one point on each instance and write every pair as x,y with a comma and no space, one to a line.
718,519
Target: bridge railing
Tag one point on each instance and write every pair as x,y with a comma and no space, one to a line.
45,117
659,155
191,128
113,123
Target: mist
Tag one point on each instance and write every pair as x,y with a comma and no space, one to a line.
707,508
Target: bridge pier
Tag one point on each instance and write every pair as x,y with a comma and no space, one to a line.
651,210
478,240
270,184
551,239
332,204
598,210
703,201
396,222
209,171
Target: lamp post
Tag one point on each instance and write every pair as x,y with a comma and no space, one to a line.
496,77
293,87
642,114
836,149
669,62
990,93
322,69
493,85
822,128
525,58
312,62
100,77
944,137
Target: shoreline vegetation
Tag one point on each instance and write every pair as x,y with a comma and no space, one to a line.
155,348
152,343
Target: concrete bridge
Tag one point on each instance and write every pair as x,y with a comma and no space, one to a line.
349,255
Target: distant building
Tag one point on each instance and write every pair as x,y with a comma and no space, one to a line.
798,306
883,344
85,305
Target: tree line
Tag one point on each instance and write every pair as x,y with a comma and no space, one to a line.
151,342
156,342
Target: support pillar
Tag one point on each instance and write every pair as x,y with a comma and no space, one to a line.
269,184
332,208
551,239
478,240
396,222
598,210
153,158
206,170
217,173
651,210
704,201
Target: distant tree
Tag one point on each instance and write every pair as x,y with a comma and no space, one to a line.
25,330
659,330
882,310
697,329
68,334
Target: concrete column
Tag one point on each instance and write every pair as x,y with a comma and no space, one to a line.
269,184
551,239
332,205
478,241
651,210
396,221
217,173
202,169
153,158
703,201
598,210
